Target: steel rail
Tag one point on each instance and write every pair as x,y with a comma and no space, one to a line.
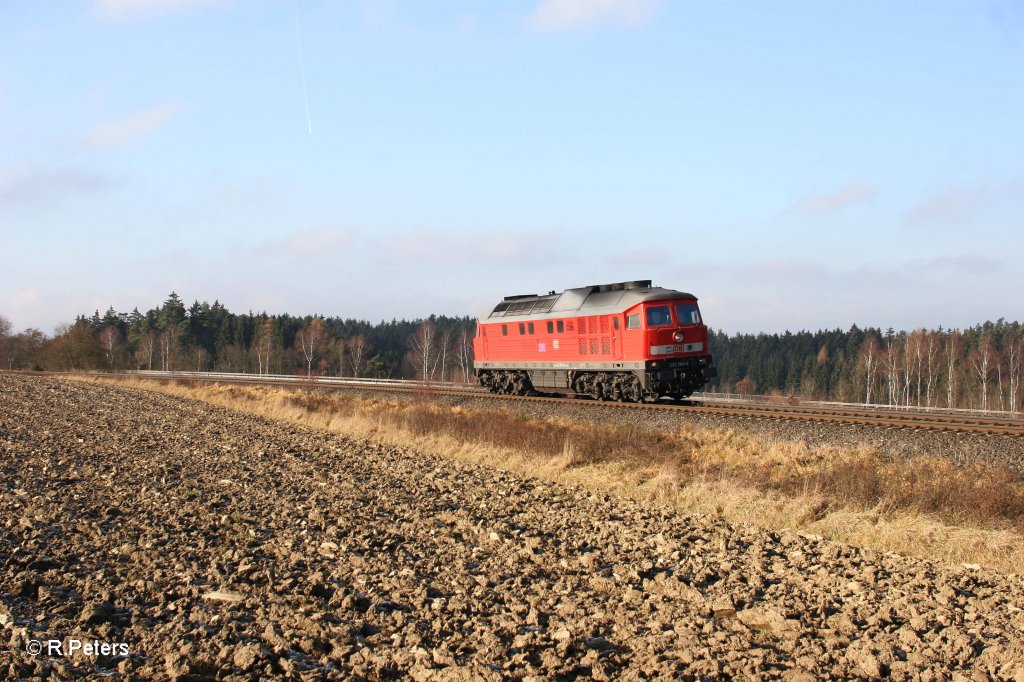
989,425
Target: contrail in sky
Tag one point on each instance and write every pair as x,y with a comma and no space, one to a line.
302,68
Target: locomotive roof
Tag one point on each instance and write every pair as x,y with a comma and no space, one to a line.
597,299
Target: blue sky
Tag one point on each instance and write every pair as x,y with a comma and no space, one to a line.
793,164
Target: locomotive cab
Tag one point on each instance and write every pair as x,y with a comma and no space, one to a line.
677,361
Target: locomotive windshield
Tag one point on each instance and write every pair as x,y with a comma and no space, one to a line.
658,316
687,313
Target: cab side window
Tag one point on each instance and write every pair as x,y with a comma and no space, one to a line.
504,330
633,321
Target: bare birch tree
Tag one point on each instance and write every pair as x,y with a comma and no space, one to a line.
464,352
310,340
168,342
869,355
932,350
998,364
423,347
440,366
915,347
110,339
340,356
264,345
1013,365
907,368
892,367
146,349
952,357
981,360
358,354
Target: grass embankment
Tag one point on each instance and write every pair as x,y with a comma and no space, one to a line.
926,507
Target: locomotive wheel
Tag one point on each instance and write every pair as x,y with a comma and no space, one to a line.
637,393
512,382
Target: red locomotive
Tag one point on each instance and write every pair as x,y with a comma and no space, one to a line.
627,341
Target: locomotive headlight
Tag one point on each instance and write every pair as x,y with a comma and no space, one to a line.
678,336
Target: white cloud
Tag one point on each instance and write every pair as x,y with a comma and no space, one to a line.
794,294
965,263
959,205
560,15
232,195
48,184
113,133
369,281
819,204
314,242
463,249
121,8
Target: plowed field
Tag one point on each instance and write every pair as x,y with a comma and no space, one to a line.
217,545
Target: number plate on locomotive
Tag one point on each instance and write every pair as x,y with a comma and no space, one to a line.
677,348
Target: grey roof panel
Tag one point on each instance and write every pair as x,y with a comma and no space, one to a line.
571,299
605,299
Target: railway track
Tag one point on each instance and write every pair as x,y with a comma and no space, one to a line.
861,416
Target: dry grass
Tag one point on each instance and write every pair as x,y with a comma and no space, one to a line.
926,507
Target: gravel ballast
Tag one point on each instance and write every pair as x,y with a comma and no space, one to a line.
217,545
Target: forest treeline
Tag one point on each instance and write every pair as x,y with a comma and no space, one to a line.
978,367
208,337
